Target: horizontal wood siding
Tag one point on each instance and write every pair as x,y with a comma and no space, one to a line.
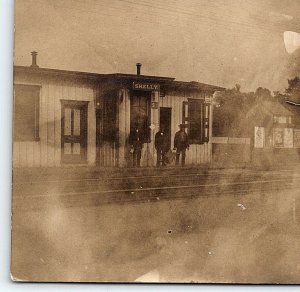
47,151
108,153
197,153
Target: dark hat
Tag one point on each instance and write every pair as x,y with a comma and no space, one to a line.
182,125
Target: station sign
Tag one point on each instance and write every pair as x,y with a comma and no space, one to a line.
145,86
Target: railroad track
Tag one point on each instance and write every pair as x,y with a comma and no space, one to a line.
154,173
115,183
96,197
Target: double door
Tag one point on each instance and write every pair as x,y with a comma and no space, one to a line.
74,132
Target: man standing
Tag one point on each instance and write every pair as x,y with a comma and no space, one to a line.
161,146
136,140
181,143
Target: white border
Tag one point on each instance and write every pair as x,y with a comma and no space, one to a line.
6,91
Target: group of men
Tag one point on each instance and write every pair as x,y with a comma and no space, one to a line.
181,143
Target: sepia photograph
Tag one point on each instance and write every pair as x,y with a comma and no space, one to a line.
156,141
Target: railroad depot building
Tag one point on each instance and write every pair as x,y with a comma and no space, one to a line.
78,118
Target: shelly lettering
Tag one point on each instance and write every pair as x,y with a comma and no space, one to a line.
145,86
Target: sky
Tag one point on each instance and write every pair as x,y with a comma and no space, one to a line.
220,42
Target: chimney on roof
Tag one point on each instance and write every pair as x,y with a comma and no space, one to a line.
138,68
33,62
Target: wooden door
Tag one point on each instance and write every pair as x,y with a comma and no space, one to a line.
74,132
165,114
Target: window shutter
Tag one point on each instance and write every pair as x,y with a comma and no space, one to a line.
185,113
37,117
206,122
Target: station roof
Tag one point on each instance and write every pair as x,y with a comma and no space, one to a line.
167,81
57,72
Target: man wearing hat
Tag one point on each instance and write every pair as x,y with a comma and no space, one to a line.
161,146
181,143
136,140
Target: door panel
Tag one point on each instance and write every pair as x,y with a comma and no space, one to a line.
67,148
67,127
74,132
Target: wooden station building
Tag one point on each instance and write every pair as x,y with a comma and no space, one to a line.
79,118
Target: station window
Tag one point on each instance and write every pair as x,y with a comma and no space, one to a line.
26,112
196,117
140,112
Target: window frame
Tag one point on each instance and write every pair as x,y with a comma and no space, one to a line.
37,106
203,136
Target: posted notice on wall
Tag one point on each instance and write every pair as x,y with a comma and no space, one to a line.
278,137
284,137
297,138
259,137
288,138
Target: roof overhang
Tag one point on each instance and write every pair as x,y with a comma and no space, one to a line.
121,78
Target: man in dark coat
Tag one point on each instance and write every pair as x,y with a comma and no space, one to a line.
161,146
181,143
136,140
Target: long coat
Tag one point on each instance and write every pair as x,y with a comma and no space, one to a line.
161,141
136,139
181,140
